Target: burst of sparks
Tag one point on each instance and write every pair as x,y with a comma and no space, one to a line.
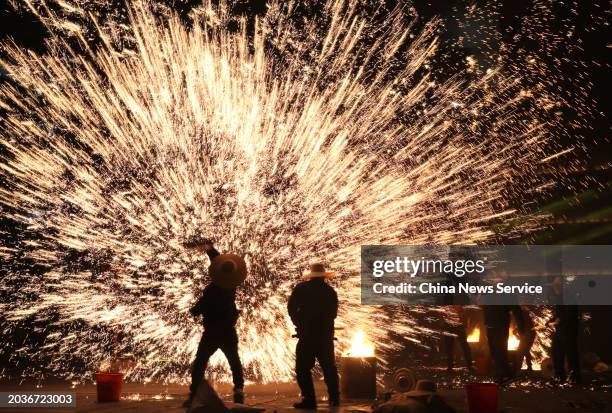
291,143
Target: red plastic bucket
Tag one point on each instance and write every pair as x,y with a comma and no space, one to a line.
482,397
109,386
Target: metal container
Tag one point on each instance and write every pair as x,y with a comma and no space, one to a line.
358,377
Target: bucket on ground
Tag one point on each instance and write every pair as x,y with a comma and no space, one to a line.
358,377
482,397
109,386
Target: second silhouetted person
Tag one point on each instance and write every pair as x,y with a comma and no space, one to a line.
313,307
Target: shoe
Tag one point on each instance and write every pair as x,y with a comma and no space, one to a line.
334,402
239,396
306,405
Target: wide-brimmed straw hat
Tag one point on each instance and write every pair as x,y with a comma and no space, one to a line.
228,270
317,270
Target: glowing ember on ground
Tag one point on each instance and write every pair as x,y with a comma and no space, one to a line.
360,346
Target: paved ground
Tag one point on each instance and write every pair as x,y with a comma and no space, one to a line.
156,398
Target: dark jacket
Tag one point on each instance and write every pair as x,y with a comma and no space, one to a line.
313,306
217,306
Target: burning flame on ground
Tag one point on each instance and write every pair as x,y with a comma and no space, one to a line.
474,336
360,346
513,342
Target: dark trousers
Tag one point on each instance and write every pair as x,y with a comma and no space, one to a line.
227,341
307,351
497,320
524,350
449,342
565,346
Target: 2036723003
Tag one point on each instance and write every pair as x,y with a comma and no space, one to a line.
37,399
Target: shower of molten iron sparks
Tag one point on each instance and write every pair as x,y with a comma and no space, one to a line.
360,346
299,142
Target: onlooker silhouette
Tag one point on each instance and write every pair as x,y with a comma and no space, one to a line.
313,307
566,321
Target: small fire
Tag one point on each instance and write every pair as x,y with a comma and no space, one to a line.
513,342
360,346
474,336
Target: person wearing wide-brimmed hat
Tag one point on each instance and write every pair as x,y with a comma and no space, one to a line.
217,306
566,323
313,307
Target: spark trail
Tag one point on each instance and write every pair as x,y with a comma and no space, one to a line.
295,142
